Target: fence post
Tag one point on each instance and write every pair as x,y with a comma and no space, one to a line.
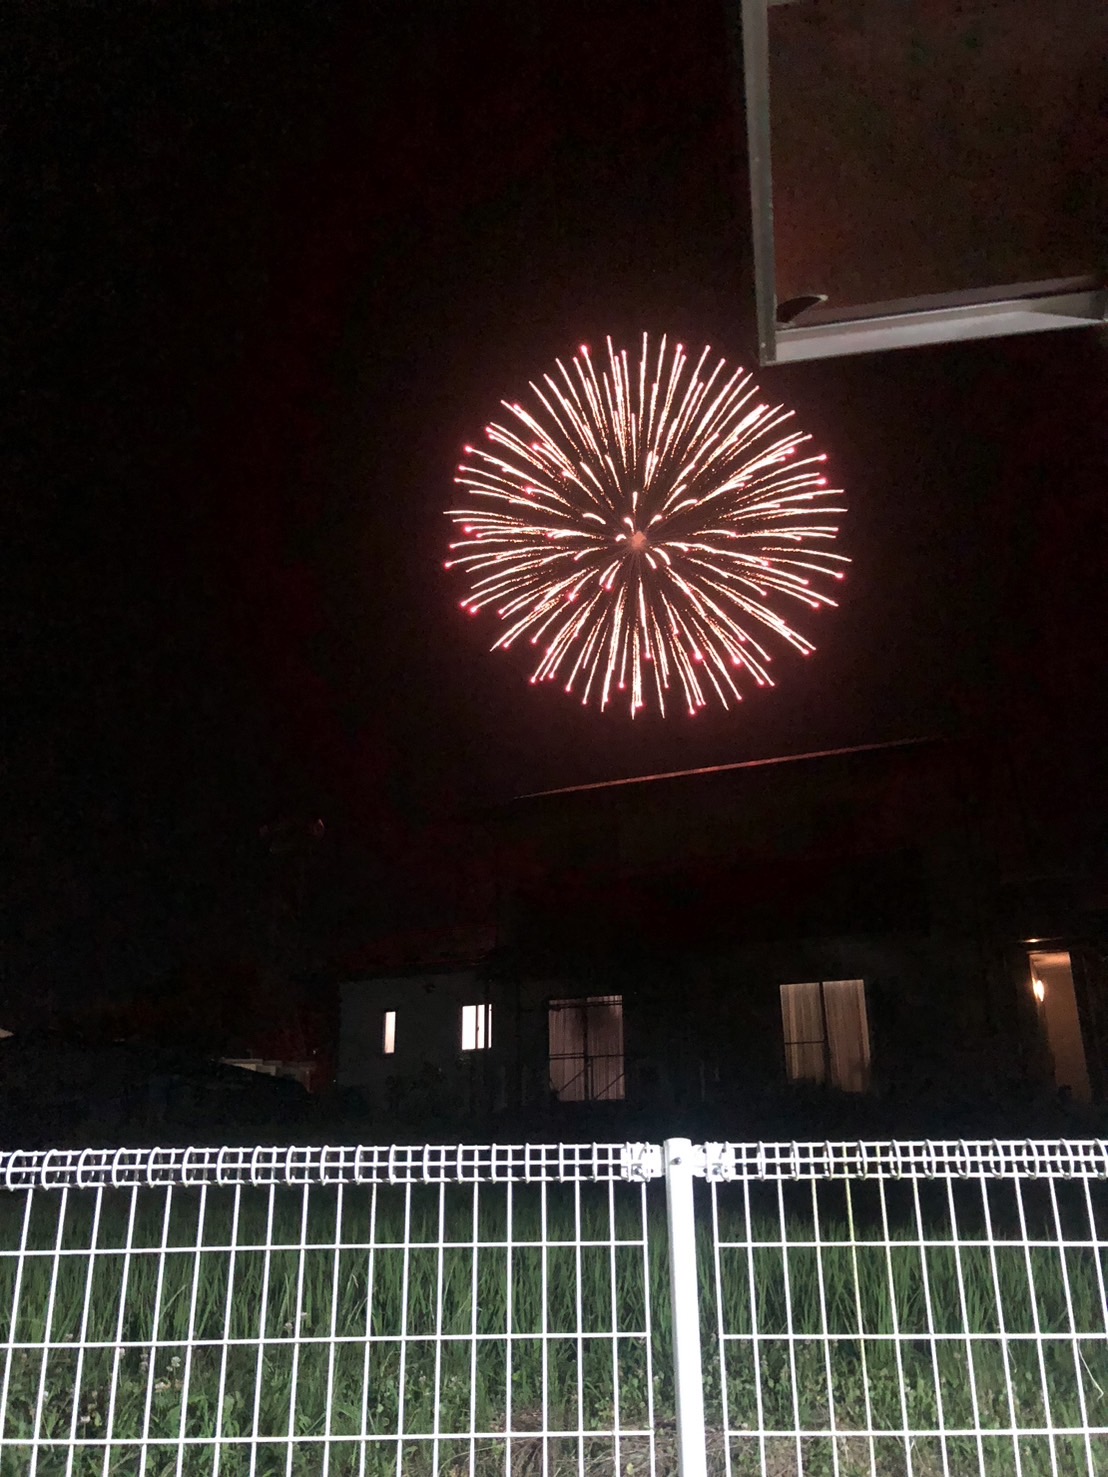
688,1374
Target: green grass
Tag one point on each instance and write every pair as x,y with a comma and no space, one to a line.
577,1382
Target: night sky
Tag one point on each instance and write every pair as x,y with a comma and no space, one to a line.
273,266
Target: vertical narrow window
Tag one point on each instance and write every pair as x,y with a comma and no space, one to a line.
388,1033
1052,986
826,1033
476,1027
586,1049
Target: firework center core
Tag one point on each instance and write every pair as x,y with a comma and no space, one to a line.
637,540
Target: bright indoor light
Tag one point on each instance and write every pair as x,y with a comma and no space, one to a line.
476,1027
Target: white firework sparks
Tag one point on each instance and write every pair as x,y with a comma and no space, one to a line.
639,524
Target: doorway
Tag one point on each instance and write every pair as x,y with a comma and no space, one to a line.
1052,987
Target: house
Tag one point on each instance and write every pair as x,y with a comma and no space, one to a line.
408,1017
857,926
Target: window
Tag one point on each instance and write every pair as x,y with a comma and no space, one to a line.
388,1033
476,1027
1052,987
827,1033
586,1049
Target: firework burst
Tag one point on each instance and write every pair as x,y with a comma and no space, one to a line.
645,526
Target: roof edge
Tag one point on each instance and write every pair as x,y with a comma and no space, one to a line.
677,774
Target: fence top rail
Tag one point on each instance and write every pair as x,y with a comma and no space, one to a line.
604,1163
910,1159
361,1164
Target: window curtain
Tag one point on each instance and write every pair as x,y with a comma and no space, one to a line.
605,1047
567,1052
802,1019
586,1049
844,1002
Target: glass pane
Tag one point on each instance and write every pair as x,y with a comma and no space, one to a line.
586,1049
1052,983
802,1019
476,1027
844,1003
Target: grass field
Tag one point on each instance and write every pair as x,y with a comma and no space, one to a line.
451,1329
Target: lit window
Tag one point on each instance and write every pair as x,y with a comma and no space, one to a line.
1052,986
827,1033
388,1033
586,1049
476,1027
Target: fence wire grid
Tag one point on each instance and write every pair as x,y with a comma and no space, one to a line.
777,1310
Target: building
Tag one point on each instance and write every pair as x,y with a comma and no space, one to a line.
855,929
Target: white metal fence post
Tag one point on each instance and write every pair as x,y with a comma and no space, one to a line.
688,1374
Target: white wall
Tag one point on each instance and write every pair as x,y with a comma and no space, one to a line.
428,1012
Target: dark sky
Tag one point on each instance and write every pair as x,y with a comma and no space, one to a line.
273,265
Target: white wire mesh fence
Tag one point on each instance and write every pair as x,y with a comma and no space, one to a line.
812,1309
327,1311
916,1309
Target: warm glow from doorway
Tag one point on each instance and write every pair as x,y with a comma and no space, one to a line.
1059,1015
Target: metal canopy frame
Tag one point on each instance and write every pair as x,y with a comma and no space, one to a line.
946,318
